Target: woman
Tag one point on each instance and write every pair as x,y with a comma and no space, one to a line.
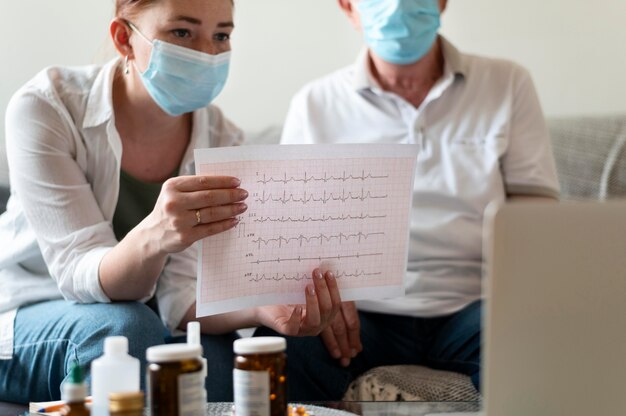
105,209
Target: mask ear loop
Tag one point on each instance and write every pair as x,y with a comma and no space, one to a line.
141,35
134,29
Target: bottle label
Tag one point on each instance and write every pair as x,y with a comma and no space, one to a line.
252,392
191,400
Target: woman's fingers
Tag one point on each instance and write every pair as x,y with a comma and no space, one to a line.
198,192
190,208
312,319
292,325
215,214
206,230
212,198
203,183
322,302
203,199
333,290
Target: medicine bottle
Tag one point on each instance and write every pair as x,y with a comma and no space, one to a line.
115,371
175,381
74,392
259,377
194,338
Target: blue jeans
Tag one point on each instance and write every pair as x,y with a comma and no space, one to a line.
50,336
447,343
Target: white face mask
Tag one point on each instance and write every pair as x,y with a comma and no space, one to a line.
181,80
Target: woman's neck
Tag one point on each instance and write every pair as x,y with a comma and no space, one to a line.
153,142
137,114
412,82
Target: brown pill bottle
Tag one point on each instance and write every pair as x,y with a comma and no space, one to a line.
260,376
175,380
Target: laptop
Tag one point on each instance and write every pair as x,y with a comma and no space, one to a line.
555,315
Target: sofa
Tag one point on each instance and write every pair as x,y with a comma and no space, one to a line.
590,154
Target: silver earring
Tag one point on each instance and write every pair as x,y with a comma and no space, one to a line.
126,69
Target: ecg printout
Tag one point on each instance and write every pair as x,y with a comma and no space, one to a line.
342,207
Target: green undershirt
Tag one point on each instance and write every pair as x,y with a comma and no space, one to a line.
136,200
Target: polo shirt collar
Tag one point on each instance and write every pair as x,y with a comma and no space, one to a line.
100,101
454,61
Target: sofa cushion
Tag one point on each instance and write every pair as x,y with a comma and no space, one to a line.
590,154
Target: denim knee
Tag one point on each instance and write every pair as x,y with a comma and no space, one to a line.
133,320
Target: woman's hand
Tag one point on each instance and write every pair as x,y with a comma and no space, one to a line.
191,208
322,304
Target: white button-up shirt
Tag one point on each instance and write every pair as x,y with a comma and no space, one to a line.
482,136
65,157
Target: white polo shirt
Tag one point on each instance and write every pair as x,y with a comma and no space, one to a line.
65,157
482,136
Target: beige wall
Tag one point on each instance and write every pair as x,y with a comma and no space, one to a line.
575,49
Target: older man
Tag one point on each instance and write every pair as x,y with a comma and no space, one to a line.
482,138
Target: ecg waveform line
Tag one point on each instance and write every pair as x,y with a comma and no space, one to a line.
324,198
241,229
306,179
323,218
321,237
277,277
319,258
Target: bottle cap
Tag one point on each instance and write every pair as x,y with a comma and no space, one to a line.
116,345
126,401
74,388
259,345
173,352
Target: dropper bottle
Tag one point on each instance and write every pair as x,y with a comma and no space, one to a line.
193,338
114,372
74,392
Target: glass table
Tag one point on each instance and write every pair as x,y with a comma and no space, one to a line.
333,408
368,408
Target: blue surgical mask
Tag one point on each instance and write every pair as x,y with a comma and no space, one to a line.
181,80
399,31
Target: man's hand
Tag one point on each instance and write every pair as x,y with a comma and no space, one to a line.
343,337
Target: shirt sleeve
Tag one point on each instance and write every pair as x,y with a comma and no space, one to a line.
528,165
55,195
295,129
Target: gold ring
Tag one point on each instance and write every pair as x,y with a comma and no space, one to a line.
198,219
